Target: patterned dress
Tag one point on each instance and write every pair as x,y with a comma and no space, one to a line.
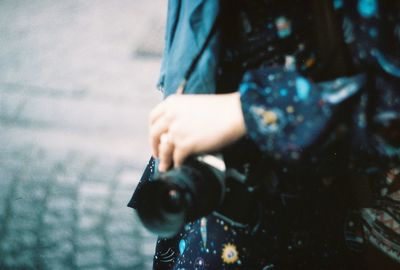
325,113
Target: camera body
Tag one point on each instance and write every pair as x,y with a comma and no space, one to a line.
201,186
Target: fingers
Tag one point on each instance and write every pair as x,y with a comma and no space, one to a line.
162,121
165,152
162,108
179,155
159,121
156,130
170,154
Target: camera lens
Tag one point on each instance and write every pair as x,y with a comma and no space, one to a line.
167,202
161,207
172,201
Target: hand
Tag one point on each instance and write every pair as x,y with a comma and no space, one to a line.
189,124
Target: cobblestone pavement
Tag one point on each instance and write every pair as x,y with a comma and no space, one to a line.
76,84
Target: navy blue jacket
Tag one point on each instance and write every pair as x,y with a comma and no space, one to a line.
291,117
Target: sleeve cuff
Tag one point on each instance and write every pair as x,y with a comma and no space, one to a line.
286,113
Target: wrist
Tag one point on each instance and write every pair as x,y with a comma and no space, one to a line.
238,125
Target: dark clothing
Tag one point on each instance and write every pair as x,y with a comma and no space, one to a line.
327,180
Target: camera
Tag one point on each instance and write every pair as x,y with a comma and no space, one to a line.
181,195
203,185
226,184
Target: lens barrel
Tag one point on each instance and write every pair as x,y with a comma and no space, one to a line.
178,196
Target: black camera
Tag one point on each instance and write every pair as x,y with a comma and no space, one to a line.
181,195
203,185
226,184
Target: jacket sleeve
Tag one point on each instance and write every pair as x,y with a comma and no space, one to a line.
371,31
285,113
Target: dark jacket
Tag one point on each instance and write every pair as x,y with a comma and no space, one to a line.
333,143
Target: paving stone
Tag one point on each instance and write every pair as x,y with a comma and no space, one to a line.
60,203
94,189
73,120
24,261
120,227
25,258
92,257
117,241
119,195
58,218
20,222
27,239
92,207
129,178
6,180
90,240
15,242
59,234
56,263
96,268
121,258
89,222
60,191
66,180
148,247
60,251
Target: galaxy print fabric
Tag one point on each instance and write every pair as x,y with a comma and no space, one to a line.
291,117
286,113
208,243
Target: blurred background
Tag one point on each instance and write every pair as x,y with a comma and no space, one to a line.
77,81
